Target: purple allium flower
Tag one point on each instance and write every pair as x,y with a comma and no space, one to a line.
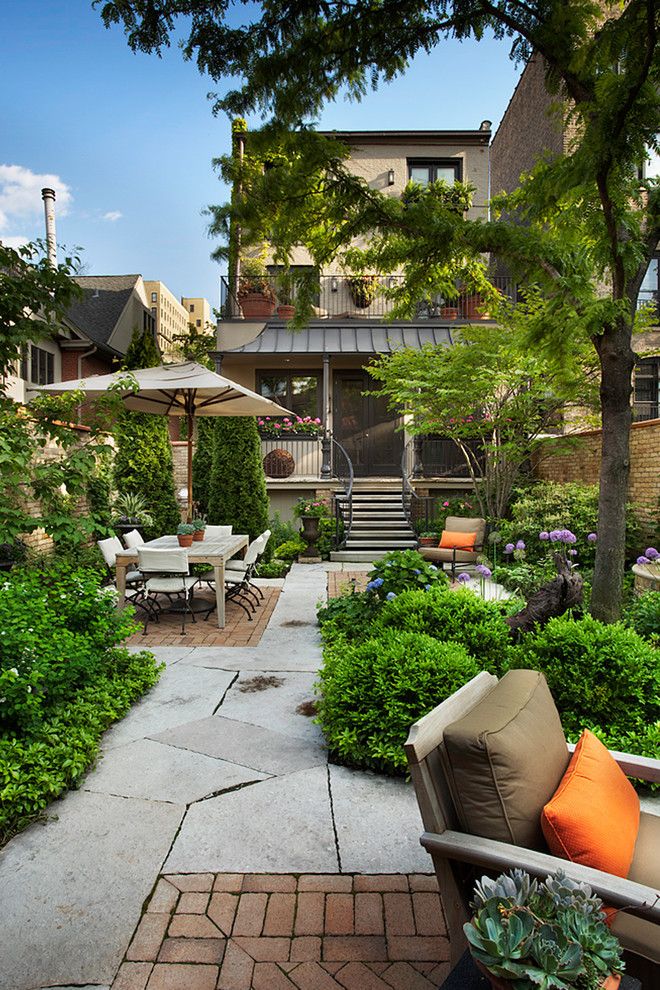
544,535
509,548
651,553
554,535
520,545
643,560
464,577
592,537
573,553
483,570
390,596
569,537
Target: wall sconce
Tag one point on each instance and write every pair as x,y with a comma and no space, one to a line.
334,284
390,177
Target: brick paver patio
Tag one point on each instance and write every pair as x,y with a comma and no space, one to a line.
286,932
341,581
238,631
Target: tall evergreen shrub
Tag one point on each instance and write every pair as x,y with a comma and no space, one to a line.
143,461
237,488
203,462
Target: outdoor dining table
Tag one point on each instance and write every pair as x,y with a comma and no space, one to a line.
214,552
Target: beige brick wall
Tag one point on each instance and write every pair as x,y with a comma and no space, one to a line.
582,463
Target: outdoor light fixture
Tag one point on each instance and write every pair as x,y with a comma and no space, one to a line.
334,284
390,177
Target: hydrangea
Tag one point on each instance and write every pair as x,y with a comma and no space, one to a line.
390,596
427,587
592,537
509,548
520,545
483,570
376,583
544,535
464,577
651,553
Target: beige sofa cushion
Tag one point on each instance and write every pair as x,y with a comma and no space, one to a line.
438,556
640,936
463,524
505,759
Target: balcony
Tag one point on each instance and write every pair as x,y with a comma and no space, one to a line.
340,297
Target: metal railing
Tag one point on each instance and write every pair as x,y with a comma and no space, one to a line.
342,468
297,458
429,458
644,410
341,297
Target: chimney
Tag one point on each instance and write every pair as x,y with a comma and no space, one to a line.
48,196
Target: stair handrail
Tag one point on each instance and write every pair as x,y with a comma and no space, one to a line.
408,493
346,515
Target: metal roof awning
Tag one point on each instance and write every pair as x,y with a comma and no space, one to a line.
343,339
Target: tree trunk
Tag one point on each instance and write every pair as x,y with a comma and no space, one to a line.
616,363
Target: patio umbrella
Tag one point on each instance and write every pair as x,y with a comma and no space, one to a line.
187,389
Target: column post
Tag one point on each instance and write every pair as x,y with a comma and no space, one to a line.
326,444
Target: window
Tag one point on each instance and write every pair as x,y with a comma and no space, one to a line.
154,297
649,291
198,323
192,307
41,366
425,170
154,312
647,389
299,392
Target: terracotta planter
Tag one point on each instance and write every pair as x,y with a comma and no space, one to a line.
185,539
256,304
428,541
473,307
286,312
310,534
449,312
498,983
198,536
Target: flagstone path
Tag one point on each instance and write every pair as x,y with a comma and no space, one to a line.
221,771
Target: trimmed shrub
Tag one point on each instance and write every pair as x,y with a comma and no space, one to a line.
237,488
459,615
644,615
602,677
373,691
202,462
403,570
348,615
290,549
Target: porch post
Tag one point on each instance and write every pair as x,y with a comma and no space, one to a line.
417,464
326,445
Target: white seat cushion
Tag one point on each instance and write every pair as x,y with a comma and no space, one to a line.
133,576
170,585
235,565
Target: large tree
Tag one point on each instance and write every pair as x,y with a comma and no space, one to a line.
591,222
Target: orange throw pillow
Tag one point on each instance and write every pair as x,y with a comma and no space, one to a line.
457,541
593,816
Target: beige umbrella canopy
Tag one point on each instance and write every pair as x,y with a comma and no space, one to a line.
187,389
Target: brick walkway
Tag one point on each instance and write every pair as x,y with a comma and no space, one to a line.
286,932
238,631
340,581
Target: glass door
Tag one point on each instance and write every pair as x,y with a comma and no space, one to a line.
365,427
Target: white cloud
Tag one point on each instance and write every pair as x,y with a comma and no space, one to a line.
112,215
14,242
20,196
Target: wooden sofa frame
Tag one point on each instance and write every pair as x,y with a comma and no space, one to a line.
453,850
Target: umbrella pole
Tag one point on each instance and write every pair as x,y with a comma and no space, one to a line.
191,423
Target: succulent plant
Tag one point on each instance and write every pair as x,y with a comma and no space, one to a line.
185,529
550,936
198,524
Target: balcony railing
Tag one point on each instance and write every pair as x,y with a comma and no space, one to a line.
292,458
338,297
643,411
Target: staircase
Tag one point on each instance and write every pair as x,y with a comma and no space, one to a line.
378,525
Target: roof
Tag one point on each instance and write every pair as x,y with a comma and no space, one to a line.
343,339
104,297
479,136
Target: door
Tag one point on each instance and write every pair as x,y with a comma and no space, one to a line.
365,427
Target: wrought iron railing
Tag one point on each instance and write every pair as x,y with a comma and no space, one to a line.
342,467
297,458
643,411
341,297
429,458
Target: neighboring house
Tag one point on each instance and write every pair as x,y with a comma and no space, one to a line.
199,312
528,130
319,372
173,317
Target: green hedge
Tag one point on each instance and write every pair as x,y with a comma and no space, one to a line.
64,678
372,692
237,487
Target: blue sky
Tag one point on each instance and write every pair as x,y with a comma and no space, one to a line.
127,140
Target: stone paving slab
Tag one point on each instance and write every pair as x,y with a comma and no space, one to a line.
156,772
181,695
292,654
164,654
71,890
378,823
287,932
277,825
247,745
272,701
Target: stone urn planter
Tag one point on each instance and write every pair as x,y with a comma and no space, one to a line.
311,528
647,577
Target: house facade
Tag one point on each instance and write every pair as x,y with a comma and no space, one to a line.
320,372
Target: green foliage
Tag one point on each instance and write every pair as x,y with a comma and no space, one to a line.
237,487
459,615
453,505
550,935
281,531
348,616
64,678
524,577
290,549
310,507
326,541
274,568
143,460
132,507
202,462
403,570
644,615
373,691
602,677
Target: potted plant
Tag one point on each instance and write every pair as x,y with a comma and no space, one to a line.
255,293
551,935
448,310
362,289
428,539
132,513
310,511
286,309
185,533
199,526
473,306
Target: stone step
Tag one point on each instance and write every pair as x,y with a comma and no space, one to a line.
357,556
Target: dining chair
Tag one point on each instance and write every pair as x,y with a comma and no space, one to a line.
166,572
133,539
215,532
110,548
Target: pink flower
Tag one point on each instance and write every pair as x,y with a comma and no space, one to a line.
317,420
278,426
445,505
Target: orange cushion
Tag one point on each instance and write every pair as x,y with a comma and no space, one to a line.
593,816
457,541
